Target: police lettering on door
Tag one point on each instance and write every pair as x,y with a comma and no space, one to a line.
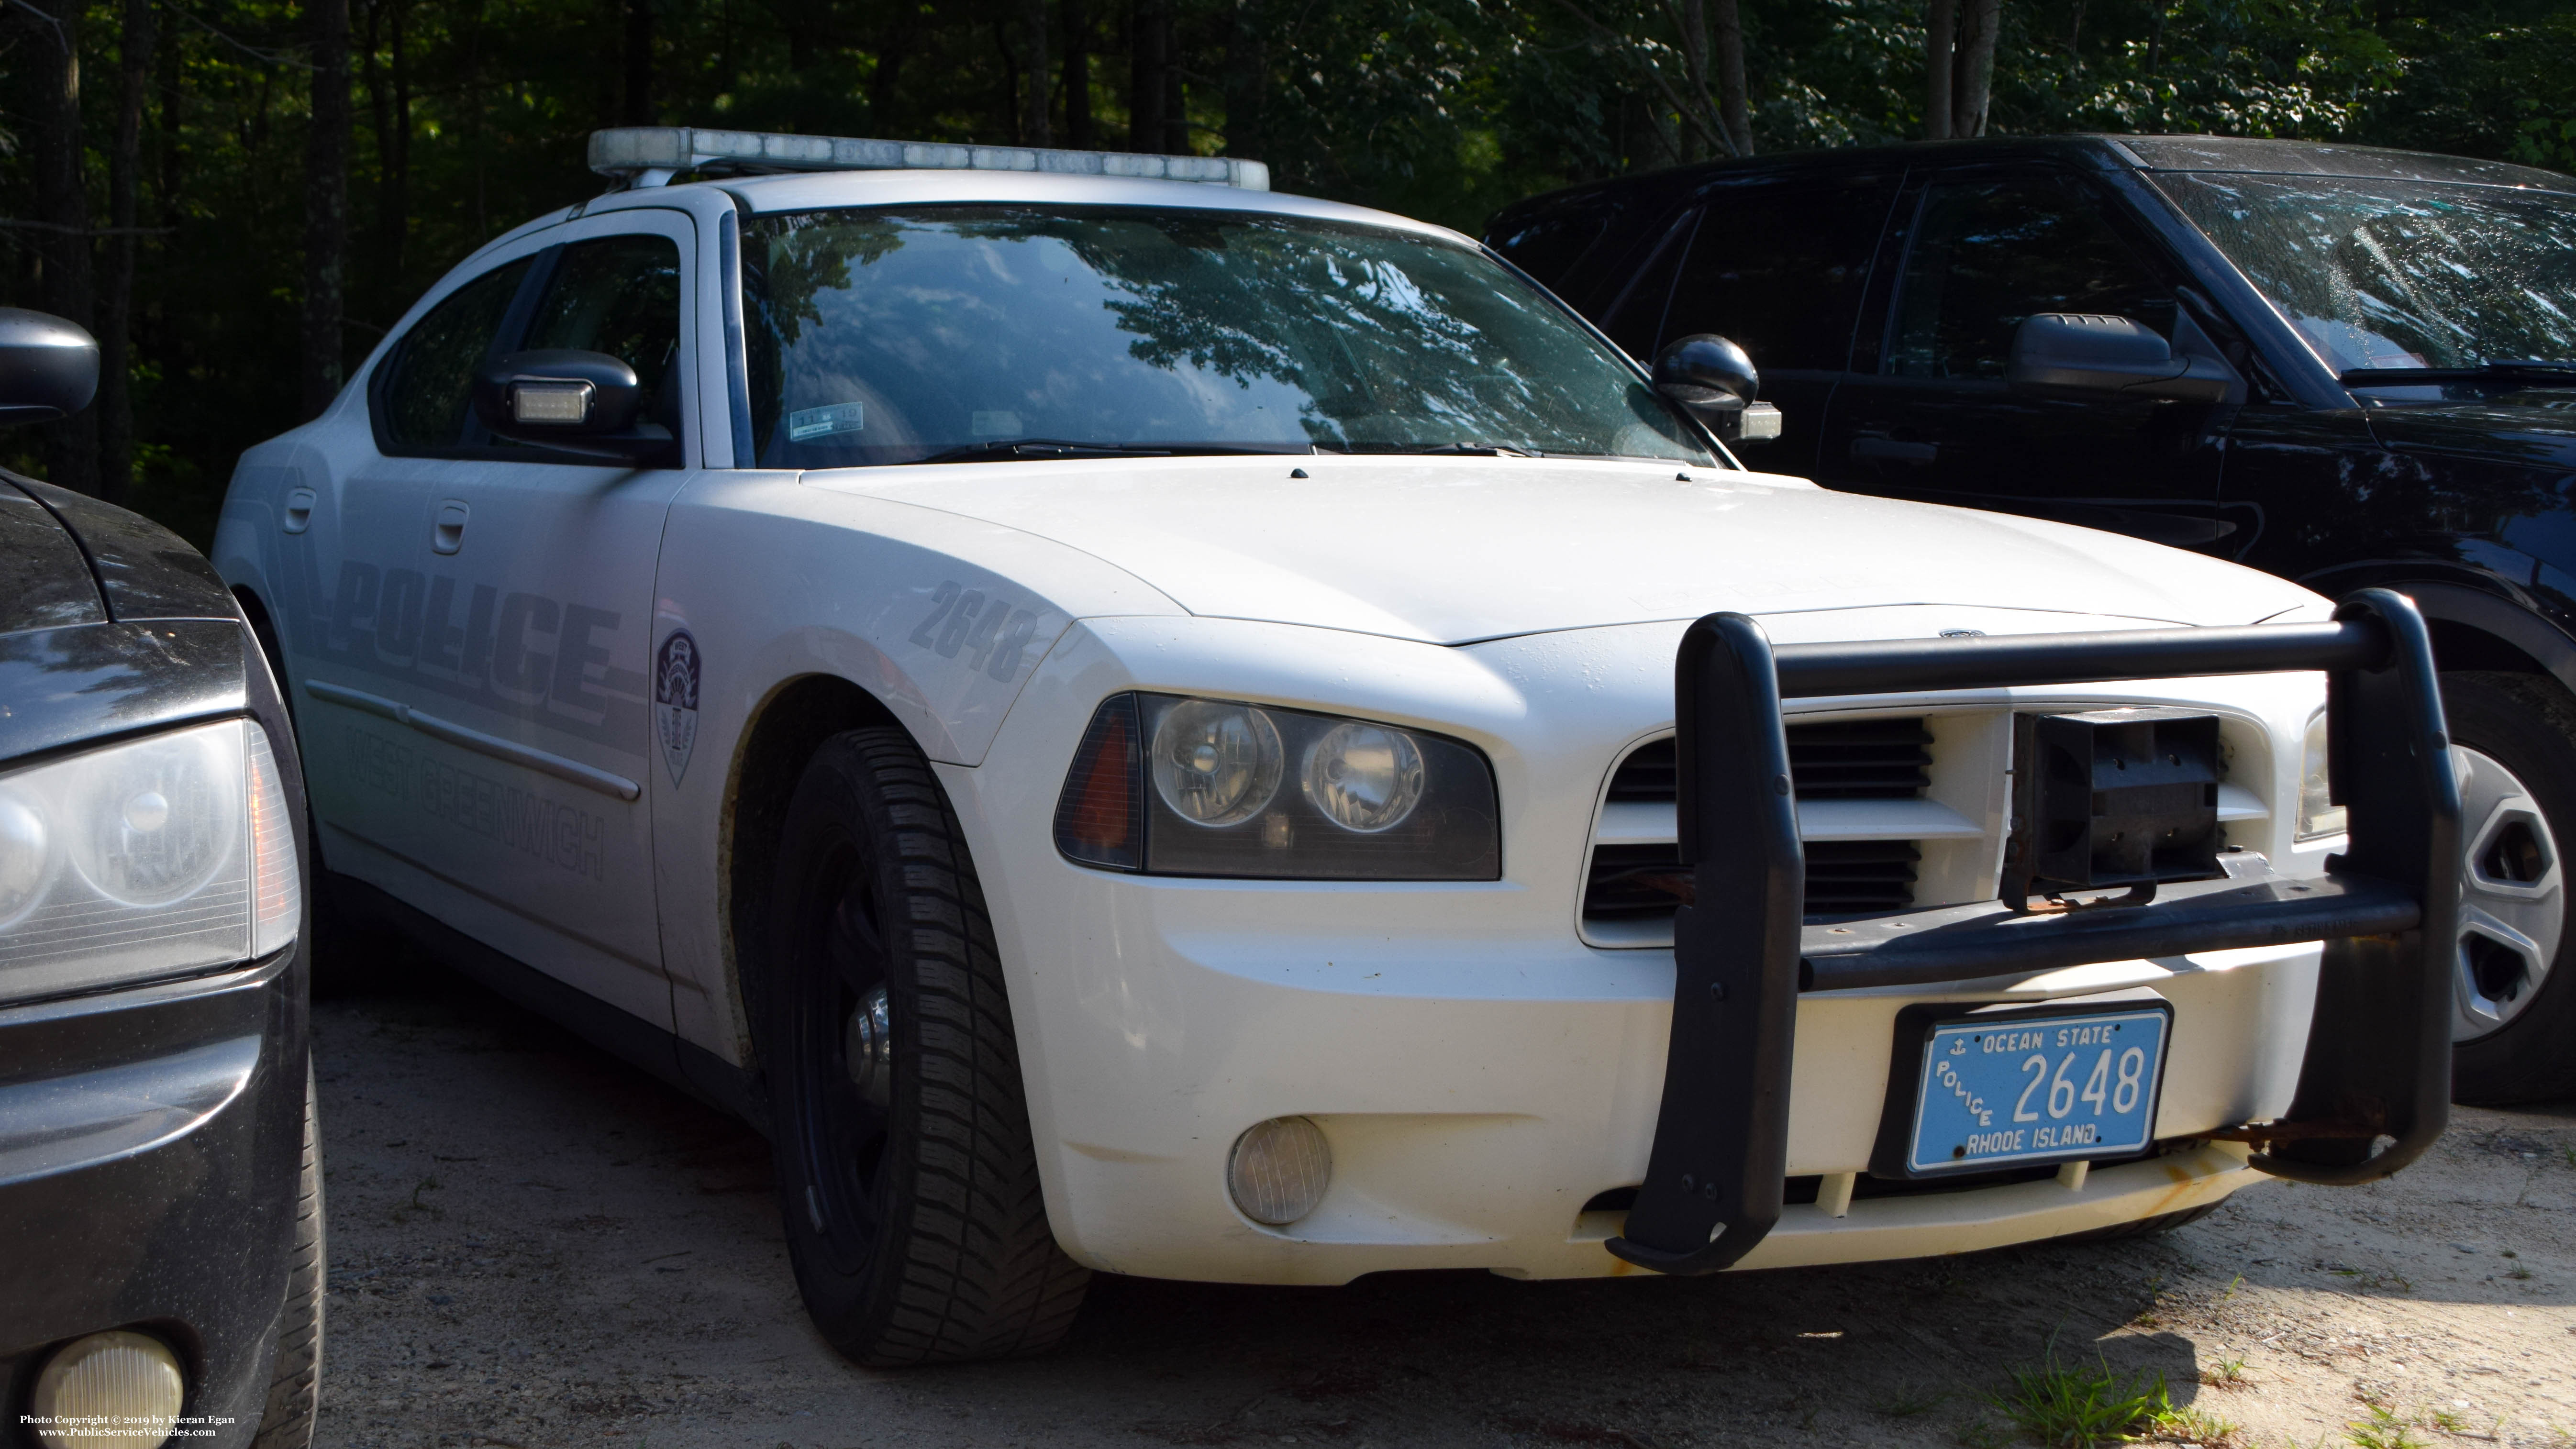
544,659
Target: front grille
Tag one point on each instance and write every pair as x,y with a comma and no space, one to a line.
1860,877
1844,878
1875,759
1862,759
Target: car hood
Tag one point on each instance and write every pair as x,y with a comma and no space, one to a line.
1453,550
2536,426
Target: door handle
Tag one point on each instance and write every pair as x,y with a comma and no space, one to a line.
299,511
447,533
1889,450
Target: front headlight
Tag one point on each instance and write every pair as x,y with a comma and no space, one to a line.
2318,814
147,858
1176,786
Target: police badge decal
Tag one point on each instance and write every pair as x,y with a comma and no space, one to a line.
675,700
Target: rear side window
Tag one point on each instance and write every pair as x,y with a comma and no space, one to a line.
1988,254
1778,268
426,389
1547,247
619,295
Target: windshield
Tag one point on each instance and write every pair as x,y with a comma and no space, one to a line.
2400,274
899,336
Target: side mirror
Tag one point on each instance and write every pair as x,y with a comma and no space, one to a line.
2084,356
572,402
1712,380
48,367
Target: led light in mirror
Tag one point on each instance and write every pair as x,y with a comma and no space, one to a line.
1214,763
1364,777
557,403
2318,815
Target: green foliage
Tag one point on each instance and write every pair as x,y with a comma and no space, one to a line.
2075,1407
2383,1430
470,117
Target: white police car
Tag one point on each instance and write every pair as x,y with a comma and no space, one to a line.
1145,725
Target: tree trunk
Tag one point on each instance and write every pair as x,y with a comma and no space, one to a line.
1978,21
1176,100
1033,23
116,306
394,155
1077,75
1014,113
1247,81
1149,36
638,109
326,203
891,53
50,39
1734,105
1940,21
1694,70
156,321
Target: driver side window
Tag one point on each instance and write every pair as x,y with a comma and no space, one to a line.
619,295
424,402
1988,254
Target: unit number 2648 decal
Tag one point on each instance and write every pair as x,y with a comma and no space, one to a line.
993,634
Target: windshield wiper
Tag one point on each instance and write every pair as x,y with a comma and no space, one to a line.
1003,449
2505,368
1453,450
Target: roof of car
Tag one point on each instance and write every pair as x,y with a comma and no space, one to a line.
2143,153
814,190
819,190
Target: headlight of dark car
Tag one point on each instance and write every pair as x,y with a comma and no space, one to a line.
150,857
1176,786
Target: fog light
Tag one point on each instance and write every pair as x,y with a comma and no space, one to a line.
1279,1170
108,1391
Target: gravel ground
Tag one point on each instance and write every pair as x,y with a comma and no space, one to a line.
533,1245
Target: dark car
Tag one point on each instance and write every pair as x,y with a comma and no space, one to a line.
2350,367
160,1176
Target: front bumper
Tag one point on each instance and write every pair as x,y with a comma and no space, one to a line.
150,1140
1481,1078
1479,1090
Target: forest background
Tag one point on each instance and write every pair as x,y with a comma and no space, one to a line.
238,197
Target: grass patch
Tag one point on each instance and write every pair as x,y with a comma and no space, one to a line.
2076,1406
2227,1373
2383,1430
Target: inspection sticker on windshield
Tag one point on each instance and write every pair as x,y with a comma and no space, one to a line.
805,424
2017,1090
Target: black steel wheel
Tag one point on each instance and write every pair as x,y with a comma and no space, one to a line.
906,1175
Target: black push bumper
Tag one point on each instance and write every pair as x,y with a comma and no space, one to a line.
2378,1061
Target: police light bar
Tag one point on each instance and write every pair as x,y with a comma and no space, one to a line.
651,155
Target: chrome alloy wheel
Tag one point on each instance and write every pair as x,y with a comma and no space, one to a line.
2513,905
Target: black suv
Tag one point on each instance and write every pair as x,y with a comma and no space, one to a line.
160,1177
2349,367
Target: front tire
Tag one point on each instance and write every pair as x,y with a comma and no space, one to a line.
295,1382
906,1174
2513,1035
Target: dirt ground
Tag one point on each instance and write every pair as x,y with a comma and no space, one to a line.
533,1245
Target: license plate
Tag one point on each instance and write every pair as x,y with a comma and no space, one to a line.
2012,1091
